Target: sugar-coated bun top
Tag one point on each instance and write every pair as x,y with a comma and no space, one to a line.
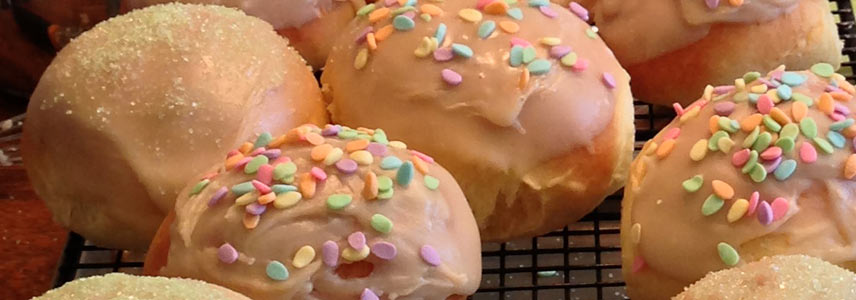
760,168
119,286
327,214
777,277
144,100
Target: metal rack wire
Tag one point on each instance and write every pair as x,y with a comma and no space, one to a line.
582,261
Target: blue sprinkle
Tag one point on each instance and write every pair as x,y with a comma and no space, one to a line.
840,125
403,23
243,188
405,174
539,66
785,169
538,3
516,58
440,34
410,3
753,98
784,92
529,54
276,271
462,50
390,162
486,28
792,79
836,139
283,188
515,13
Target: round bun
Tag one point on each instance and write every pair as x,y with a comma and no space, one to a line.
352,214
690,45
534,147
132,108
777,277
760,169
311,26
123,286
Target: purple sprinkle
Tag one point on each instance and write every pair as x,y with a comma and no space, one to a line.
765,213
357,240
384,250
579,10
723,108
258,151
769,84
558,52
272,153
443,54
841,108
227,253
219,194
243,162
831,88
608,80
331,130
712,3
410,14
346,165
837,117
318,173
451,77
430,255
255,208
376,149
722,89
771,166
516,41
547,11
368,295
330,253
362,37
423,156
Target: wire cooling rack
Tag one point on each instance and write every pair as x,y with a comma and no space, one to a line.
581,261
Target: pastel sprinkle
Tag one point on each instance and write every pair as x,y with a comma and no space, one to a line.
758,173
581,65
227,254
722,189
727,254
547,11
792,79
608,80
318,173
338,201
253,165
430,255
539,66
841,125
284,170
243,188
808,154
711,205
753,203
638,264
579,10
751,122
250,221
381,223
771,153
287,199
199,186
440,33
559,51
509,27
361,59
384,183
765,213
693,184
771,124
763,141
403,23
357,240
823,69
486,29
496,8
515,58
790,130
808,127
384,250
714,139
303,256
330,253
367,294
823,145
431,183
836,139
780,208
443,54
785,169
262,140
529,54
365,9
784,92
390,163
786,143
850,167
470,15
569,60
724,108
665,149
515,13
698,150
550,41
771,165
351,255
737,210
276,270
255,208
765,104
462,50
740,158
219,194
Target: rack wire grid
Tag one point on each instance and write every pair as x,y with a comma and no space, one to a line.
581,261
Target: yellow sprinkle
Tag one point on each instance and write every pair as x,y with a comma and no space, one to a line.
304,256
759,89
550,41
424,48
699,150
470,15
509,26
370,40
774,95
246,148
740,84
779,116
334,156
725,144
287,199
247,198
665,148
850,167
384,32
737,210
524,79
398,145
251,221
652,148
362,157
722,189
361,59
431,9
352,255
688,115
636,233
708,92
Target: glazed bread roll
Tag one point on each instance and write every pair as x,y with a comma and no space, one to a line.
310,25
777,277
672,49
131,108
523,104
336,213
123,286
764,167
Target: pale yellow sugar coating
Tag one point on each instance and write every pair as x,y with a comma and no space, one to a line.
777,277
123,286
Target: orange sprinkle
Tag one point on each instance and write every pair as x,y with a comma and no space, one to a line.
524,79
508,26
499,8
378,15
735,2
841,96
780,116
849,132
366,130
713,124
246,148
420,165
370,187
664,149
799,110
846,86
278,141
431,9
722,190
267,198
306,184
251,221
749,123
402,2
314,138
294,135
320,152
850,167
356,145
233,160
383,33
824,103
370,40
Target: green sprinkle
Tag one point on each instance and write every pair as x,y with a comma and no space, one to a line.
790,130
243,188
199,186
758,173
515,13
751,138
727,254
384,183
714,139
785,169
711,205
381,223
515,58
590,33
784,92
431,183
338,201
347,134
283,188
693,184
836,139
405,174
277,271
544,274
403,23
402,10
763,142
840,125
727,124
486,29
511,2
753,98
379,137
253,166
528,54
751,76
771,124
390,163
741,97
365,10
753,159
823,69
363,136
786,143
462,50
538,3
425,17
803,98
288,179
284,170
808,127
262,140
383,195
539,67
570,59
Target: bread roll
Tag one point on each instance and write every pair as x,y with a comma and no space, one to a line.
762,168
131,108
117,286
332,214
535,146
672,49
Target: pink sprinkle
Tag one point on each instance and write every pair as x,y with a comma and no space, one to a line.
807,153
424,157
280,160
261,187
272,153
409,14
722,89
232,153
769,84
579,10
841,108
516,41
765,104
638,264
482,3
765,213
318,173
209,175
678,109
384,250
227,254
255,208
219,194
330,253
346,165
430,255
608,80
581,65
777,75
830,89
740,157
672,133
368,295
771,153
712,3
377,149
753,203
780,208
559,51
837,117
243,162
265,174
357,240
451,77
723,108
443,54
547,11
389,3
772,165
258,151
